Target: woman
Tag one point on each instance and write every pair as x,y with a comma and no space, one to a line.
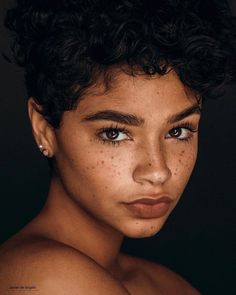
115,93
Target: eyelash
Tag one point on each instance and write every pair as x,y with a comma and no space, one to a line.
189,127
118,129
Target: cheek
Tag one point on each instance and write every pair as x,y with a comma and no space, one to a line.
99,171
108,171
184,162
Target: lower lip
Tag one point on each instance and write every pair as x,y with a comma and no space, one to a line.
149,210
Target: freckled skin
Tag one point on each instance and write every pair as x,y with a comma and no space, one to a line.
147,162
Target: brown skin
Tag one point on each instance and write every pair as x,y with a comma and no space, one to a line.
73,245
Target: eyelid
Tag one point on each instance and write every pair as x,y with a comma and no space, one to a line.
186,125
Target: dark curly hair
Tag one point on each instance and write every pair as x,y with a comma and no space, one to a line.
66,45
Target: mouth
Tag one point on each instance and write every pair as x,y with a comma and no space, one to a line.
150,207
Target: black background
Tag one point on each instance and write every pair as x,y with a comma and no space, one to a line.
198,240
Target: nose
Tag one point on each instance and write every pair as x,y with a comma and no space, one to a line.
152,167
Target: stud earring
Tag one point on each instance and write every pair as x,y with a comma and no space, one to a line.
45,152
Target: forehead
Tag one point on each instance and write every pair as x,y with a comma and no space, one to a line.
138,93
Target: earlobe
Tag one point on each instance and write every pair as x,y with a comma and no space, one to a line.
43,132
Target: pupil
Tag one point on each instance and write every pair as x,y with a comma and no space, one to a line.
112,134
176,132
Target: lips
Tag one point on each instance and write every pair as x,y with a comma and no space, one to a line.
150,207
152,201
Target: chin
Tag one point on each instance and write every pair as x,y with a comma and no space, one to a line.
143,228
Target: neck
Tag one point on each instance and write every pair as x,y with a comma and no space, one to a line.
69,224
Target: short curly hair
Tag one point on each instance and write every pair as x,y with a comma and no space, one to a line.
66,45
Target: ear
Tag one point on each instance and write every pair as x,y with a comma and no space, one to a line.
43,132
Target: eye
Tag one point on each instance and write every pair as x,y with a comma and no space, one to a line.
179,132
184,132
113,135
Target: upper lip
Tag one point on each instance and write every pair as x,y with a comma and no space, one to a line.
152,200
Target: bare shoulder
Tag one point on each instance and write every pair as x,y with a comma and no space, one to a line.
162,279
48,267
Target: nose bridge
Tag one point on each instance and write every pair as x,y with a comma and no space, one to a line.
152,165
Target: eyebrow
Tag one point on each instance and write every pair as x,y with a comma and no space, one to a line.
194,109
133,120
115,116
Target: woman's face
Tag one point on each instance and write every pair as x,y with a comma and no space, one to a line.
124,156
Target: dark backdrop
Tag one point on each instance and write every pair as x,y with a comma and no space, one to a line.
198,240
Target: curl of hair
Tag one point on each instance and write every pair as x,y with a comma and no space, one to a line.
66,45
